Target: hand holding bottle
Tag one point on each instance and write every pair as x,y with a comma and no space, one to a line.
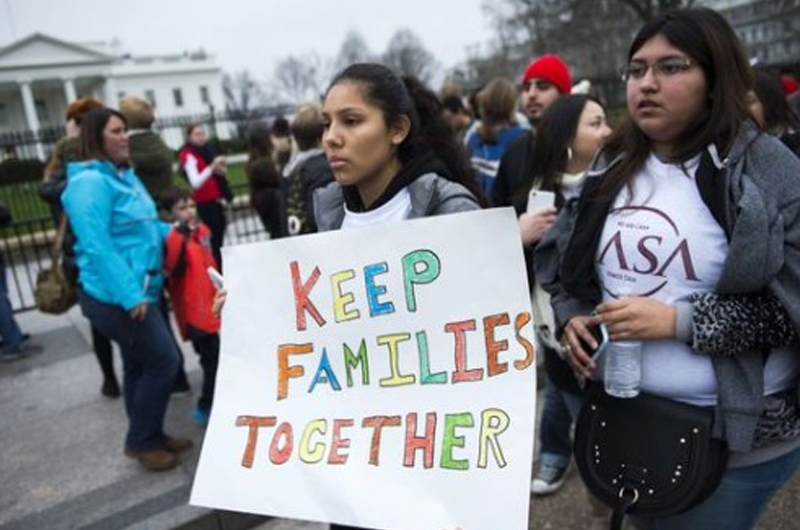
637,317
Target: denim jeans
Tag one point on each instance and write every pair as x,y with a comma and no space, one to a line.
150,362
739,501
558,413
9,330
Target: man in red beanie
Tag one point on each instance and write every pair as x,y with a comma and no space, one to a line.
544,80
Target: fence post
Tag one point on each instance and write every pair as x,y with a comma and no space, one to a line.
213,122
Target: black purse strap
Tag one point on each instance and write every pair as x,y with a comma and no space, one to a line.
621,508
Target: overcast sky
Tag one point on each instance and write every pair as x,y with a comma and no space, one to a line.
250,34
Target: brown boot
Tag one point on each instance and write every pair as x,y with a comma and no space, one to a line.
177,445
153,459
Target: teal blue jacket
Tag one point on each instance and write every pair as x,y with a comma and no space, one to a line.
120,240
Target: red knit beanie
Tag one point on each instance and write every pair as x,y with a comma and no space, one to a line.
789,85
552,69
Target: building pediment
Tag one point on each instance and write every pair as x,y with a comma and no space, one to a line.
38,50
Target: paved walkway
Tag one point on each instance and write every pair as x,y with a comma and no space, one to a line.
61,463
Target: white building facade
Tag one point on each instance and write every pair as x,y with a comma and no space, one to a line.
40,75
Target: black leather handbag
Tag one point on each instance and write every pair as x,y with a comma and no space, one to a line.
647,455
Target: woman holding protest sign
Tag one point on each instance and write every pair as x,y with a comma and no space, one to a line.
685,238
392,154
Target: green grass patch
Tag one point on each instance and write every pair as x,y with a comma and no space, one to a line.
237,177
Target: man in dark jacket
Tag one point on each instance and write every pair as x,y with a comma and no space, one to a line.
545,80
151,158
307,170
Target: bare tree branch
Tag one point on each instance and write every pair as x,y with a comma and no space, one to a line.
301,78
407,55
354,49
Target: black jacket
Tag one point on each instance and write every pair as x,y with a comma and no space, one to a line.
512,170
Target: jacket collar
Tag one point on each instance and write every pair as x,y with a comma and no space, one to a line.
329,201
101,166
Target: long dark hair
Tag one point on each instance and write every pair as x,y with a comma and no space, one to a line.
260,167
259,142
428,130
557,128
779,116
707,39
91,144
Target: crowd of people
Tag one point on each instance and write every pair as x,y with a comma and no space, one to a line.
677,226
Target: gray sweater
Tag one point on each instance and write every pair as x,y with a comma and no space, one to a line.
762,214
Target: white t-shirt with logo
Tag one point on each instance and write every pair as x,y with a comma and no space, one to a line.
664,243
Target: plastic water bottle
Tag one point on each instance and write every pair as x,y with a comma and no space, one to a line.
623,368
623,371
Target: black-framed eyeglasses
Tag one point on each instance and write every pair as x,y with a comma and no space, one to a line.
663,68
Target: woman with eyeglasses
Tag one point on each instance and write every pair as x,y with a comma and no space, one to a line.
687,237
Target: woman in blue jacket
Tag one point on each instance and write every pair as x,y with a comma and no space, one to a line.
119,253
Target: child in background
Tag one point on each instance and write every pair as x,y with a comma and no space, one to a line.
188,256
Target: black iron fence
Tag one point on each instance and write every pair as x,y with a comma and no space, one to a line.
27,242
227,127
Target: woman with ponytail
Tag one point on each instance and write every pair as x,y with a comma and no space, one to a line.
390,151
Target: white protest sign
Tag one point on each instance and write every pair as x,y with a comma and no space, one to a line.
382,377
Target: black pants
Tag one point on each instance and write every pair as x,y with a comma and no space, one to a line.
213,215
207,347
105,354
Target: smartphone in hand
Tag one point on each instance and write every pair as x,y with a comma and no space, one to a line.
600,334
538,200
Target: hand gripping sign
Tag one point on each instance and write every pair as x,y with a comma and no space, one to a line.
381,377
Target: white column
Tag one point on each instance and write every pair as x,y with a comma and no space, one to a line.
110,89
69,90
30,113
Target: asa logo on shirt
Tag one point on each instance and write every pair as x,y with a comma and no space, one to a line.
645,251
